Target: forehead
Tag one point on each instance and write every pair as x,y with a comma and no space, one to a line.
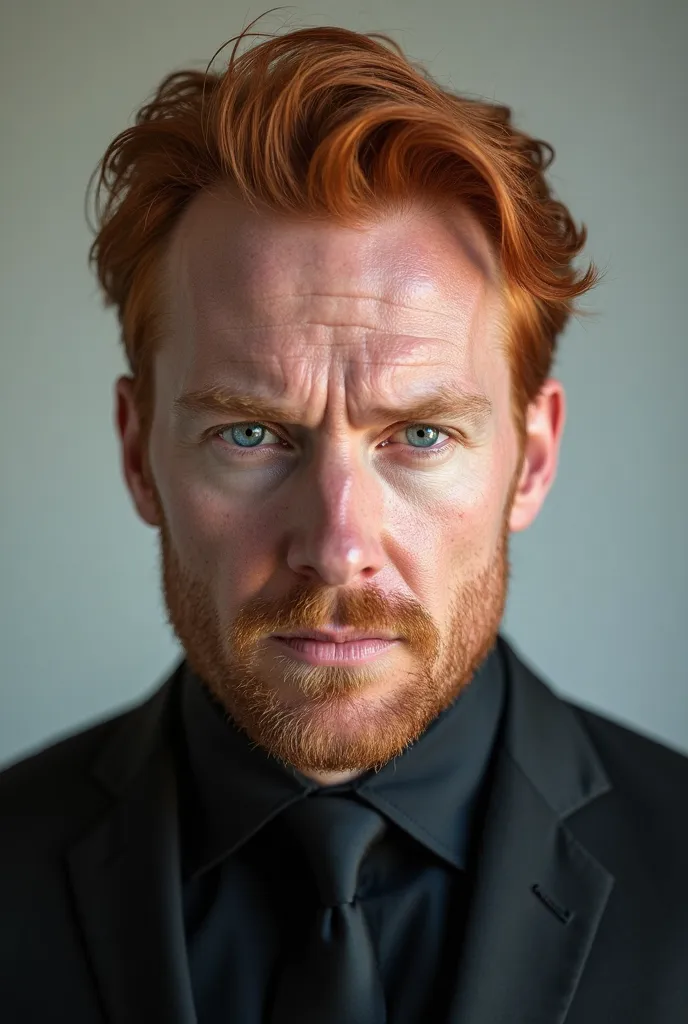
276,299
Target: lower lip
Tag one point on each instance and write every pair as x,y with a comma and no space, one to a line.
323,652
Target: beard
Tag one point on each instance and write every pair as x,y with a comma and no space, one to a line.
319,718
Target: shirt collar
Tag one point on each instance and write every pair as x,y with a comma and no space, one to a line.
233,787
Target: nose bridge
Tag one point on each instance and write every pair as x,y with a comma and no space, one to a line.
339,520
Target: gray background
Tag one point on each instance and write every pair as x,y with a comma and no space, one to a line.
599,591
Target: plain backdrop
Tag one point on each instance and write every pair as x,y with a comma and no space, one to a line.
599,591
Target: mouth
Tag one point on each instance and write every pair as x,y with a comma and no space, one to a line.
335,647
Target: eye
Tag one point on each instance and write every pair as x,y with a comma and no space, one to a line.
422,435
248,435
420,441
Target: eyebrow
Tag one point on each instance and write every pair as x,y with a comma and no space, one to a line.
443,402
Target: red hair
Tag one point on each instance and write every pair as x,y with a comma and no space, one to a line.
331,123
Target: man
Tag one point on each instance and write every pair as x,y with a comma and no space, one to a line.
340,290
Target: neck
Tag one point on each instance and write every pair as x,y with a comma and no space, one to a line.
331,778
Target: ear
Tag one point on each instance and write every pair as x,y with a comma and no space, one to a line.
544,428
134,453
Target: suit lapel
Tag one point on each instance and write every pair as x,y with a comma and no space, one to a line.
126,877
538,895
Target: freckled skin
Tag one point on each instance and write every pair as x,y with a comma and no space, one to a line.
332,322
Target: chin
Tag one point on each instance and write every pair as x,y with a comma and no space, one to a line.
350,732
336,691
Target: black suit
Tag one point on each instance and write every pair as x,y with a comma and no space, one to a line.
579,911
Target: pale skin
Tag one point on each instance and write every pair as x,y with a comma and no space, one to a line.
336,333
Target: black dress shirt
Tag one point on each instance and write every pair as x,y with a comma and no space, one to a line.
249,896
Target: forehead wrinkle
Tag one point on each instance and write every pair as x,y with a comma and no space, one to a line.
365,346
227,319
380,300
457,326
370,363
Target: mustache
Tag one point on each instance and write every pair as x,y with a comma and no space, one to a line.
311,607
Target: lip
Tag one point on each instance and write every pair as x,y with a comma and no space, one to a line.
335,636
316,651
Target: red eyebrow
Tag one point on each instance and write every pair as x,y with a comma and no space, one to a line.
443,402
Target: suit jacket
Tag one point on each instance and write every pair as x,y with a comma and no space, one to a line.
579,909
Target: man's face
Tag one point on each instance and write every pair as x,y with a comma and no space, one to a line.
331,446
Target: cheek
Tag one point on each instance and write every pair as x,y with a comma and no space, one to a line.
446,536
227,543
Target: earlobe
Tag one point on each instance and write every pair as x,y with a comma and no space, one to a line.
133,452
544,427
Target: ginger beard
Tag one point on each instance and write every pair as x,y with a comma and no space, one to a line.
319,718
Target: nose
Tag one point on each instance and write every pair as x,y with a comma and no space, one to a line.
335,536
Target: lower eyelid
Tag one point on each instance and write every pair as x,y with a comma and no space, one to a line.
447,445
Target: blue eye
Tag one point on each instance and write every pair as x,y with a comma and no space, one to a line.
248,435
422,435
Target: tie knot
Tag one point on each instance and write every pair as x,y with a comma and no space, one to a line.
335,833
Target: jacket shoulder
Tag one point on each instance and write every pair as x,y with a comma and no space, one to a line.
47,795
131,727
642,783
629,756
637,763
50,795
639,828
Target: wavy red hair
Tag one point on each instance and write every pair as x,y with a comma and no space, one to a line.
331,123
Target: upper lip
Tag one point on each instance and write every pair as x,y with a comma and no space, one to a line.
338,636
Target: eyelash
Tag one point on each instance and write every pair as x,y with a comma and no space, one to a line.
422,453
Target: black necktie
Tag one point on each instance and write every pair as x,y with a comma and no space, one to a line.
335,978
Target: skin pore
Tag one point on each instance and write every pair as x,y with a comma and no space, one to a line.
332,444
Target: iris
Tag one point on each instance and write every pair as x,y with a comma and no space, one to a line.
425,435
248,435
